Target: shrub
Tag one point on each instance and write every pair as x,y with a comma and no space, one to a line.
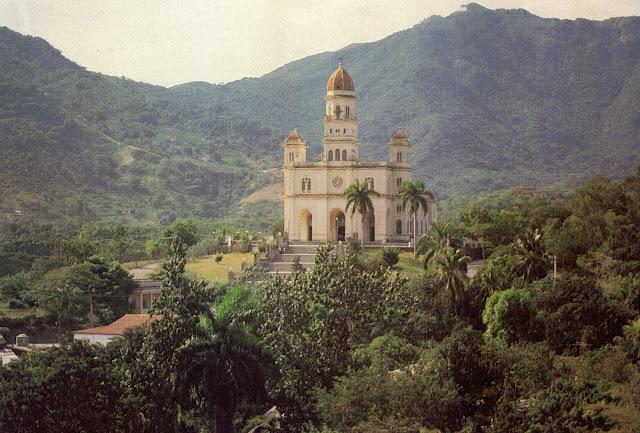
390,255
16,304
218,257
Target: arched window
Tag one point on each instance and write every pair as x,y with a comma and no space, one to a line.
344,130
369,182
330,157
410,226
337,111
330,130
398,227
306,184
337,155
344,155
346,111
398,182
398,208
290,156
399,157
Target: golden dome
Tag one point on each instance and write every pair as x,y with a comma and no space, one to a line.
340,80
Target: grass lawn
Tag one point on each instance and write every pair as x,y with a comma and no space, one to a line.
407,264
207,268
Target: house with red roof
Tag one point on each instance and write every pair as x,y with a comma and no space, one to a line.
105,334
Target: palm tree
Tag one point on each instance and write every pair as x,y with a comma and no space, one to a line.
533,262
358,197
451,266
415,197
441,235
222,361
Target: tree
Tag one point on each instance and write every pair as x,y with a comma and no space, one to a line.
391,386
577,313
63,292
511,316
441,235
358,196
312,320
111,297
73,388
184,230
451,266
532,258
415,197
223,363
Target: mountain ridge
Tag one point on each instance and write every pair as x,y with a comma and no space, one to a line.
490,98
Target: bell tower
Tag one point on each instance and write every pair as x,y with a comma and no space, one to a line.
340,137
399,147
295,149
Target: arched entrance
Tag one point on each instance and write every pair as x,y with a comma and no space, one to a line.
306,225
369,227
336,225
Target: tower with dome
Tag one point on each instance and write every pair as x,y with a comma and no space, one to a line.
313,194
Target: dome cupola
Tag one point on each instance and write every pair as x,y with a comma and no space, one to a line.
340,80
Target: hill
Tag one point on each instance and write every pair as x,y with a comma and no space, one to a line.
491,99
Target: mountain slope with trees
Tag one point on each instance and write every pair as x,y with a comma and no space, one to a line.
490,99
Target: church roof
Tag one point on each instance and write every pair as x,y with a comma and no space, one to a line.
293,135
340,80
295,138
400,135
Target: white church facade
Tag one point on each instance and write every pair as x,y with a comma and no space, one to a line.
314,200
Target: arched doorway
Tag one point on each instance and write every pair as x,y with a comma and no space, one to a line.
369,227
336,225
306,225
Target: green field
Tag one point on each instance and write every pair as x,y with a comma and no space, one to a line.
408,264
207,268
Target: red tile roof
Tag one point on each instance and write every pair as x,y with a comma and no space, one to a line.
128,321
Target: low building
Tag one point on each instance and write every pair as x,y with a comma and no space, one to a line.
143,296
104,334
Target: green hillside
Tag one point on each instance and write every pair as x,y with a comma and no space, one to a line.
490,99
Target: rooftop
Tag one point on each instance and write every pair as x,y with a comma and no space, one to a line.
128,321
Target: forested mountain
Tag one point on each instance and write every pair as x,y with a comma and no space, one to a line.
490,99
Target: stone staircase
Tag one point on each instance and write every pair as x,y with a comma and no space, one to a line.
282,263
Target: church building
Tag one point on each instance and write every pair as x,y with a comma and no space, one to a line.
314,200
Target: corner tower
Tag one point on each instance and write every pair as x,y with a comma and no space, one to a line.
399,148
295,149
340,138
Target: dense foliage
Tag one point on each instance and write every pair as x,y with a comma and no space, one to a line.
543,338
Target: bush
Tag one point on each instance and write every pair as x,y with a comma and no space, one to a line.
218,257
16,304
390,255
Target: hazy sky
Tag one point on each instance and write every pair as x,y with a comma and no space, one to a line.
171,42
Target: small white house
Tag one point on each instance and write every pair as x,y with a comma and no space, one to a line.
104,334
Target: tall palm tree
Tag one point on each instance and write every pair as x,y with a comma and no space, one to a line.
223,363
533,262
358,197
441,235
415,197
451,266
